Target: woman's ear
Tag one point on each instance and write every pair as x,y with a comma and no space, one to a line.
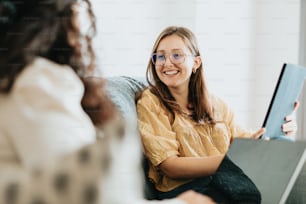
197,62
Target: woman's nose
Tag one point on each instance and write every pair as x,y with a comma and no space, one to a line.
168,61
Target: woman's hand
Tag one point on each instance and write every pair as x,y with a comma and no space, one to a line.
258,133
192,197
290,126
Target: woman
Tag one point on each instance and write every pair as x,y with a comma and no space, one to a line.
50,107
185,130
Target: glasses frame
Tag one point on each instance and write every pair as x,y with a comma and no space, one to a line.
170,56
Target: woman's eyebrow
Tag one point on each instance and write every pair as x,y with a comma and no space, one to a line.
176,49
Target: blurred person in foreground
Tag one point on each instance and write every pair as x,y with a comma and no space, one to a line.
57,127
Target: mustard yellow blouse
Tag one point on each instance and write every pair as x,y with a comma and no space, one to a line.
183,137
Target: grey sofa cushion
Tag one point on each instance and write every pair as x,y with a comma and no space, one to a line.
122,91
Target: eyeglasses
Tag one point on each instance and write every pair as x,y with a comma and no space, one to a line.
177,57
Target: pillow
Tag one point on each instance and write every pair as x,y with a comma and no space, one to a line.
122,91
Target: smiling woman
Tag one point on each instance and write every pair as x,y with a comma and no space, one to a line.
175,71
244,44
185,130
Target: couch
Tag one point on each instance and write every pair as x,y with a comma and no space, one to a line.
122,90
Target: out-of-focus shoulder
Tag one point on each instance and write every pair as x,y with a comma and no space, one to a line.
49,76
44,67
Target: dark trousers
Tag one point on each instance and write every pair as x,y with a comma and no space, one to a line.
200,185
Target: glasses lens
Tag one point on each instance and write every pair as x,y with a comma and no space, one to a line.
154,58
158,59
177,57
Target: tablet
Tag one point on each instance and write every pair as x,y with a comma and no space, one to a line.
286,93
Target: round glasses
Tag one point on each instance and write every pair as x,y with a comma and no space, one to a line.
159,59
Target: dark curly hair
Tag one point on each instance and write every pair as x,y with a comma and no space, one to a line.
47,28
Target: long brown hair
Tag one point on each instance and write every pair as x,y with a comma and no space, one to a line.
45,28
197,94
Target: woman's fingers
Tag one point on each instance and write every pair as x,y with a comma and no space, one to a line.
191,197
290,128
260,132
296,105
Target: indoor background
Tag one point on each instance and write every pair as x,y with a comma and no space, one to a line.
243,43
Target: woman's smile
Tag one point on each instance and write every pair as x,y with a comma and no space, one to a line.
171,72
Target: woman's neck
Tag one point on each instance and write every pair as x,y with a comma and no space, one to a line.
181,97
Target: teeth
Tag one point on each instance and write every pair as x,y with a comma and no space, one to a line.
171,72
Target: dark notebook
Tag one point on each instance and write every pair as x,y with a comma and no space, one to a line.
286,92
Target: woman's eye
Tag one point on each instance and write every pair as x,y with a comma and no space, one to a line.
176,56
160,57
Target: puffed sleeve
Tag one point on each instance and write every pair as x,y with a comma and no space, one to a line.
44,115
158,139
